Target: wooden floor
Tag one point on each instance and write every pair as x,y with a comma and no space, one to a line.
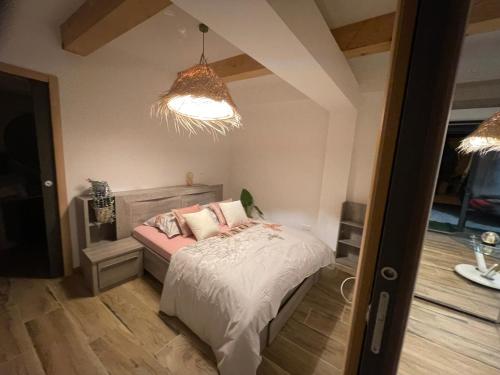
437,282
54,327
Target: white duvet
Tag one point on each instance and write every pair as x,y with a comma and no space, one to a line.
228,289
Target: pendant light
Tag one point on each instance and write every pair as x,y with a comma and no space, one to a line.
485,138
199,100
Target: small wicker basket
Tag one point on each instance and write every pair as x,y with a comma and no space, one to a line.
105,214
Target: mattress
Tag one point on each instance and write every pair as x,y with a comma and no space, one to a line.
159,242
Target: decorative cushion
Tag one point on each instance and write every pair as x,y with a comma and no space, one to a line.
216,209
167,223
211,212
234,213
179,215
151,221
201,224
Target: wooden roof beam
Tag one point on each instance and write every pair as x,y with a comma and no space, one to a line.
239,67
374,35
98,22
370,36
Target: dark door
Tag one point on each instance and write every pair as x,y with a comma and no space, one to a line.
428,89
30,240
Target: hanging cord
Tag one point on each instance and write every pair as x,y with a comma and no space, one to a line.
342,289
204,29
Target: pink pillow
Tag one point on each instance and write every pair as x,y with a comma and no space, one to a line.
185,230
218,212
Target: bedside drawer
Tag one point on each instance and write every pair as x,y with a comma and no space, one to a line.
119,269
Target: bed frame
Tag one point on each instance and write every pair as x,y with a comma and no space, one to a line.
134,207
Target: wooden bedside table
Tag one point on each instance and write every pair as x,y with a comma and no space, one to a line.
112,263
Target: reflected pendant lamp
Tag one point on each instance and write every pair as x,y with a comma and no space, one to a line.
484,139
199,101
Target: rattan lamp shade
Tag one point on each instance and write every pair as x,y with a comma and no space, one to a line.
485,138
199,101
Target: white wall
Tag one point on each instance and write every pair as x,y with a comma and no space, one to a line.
337,166
309,60
372,73
105,102
292,155
108,133
479,62
368,126
278,155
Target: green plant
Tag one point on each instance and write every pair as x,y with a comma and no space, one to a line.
248,204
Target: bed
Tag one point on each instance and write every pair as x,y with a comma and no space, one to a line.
186,258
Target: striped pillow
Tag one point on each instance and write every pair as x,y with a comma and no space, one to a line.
184,227
216,209
167,223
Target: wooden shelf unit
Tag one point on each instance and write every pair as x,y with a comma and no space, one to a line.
90,232
352,224
352,243
350,234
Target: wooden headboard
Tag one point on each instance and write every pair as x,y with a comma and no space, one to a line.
135,207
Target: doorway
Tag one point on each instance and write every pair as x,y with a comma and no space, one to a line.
467,191
30,236
419,94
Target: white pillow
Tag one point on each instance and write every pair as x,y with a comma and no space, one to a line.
201,224
234,213
167,223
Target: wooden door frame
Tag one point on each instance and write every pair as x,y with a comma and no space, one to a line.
400,51
378,207
55,114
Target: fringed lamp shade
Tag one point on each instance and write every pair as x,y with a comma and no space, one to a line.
485,138
199,101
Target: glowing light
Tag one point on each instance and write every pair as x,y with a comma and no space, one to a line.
201,108
486,138
198,100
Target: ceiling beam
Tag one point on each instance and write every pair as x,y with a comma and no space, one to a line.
293,42
370,36
239,67
484,17
477,94
98,22
374,35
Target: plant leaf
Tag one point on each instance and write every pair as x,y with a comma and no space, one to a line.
249,210
259,210
246,198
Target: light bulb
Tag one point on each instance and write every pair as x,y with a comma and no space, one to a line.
200,108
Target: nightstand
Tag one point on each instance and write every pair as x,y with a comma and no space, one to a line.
111,263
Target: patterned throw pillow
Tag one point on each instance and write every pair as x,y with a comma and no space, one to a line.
211,213
215,207
184,227
151,221
167,223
